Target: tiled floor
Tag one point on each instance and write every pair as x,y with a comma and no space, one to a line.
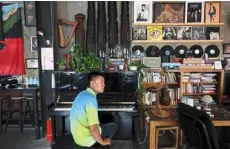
14,139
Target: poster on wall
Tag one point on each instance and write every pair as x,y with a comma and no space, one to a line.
143,12
194,12
47,58
34,43
212,12
168,12
30,14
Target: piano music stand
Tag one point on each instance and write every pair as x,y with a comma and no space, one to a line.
158,86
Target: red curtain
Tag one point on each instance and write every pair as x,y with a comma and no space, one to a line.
12,57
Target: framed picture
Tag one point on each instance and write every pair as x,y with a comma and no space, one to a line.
227,67
194,12
34,43
212,12
31,63
169,12
142,12
30,14
226,48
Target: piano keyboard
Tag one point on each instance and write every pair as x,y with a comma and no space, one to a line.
100,108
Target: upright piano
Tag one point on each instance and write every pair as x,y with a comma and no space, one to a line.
118,103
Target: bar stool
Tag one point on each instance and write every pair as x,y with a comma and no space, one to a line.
2,110
10,112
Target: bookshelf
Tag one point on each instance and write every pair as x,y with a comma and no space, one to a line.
178,85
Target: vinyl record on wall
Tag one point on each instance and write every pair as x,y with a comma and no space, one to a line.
167,51
181,51
138,51
212,51
152,51
195,51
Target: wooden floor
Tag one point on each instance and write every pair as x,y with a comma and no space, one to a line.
14,139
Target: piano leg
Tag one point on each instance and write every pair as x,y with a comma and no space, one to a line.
53,119
63,125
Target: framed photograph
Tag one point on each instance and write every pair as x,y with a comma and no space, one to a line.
227,67
212,12
169,12
31,63
194,12
226,48
30,14
142,12
34,43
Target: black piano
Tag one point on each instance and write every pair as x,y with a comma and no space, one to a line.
117,103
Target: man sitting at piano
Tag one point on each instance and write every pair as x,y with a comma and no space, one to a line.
85,125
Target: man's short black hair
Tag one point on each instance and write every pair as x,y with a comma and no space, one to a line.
143,5
92,75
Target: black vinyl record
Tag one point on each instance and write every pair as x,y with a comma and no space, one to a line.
167,51
138,51
212,51
195,51
152,51
181,51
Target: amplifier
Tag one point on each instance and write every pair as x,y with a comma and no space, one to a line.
152,62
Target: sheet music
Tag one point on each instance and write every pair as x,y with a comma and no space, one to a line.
47,58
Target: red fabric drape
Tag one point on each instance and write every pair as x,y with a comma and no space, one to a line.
12,57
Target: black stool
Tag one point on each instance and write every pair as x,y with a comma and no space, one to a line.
2,110
21,111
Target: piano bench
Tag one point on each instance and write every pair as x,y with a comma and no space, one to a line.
67,142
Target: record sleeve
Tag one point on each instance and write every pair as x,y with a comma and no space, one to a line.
138,52
212,51
198,33
169,33
167,51
139,33
181,51
152,51
212,33
154,33
184,33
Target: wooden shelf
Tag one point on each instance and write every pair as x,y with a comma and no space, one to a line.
178,24
177,41
202,71
197,94
159,70
200,82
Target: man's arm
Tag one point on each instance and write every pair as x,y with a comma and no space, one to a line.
96,135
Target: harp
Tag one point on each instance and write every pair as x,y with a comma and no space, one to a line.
61,38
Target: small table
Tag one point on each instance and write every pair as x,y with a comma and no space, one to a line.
32,90
171,121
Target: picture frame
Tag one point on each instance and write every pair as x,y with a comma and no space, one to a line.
226,48
169,12
227,67
34,44
143,12
32,63
194,12
30,13
212,12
